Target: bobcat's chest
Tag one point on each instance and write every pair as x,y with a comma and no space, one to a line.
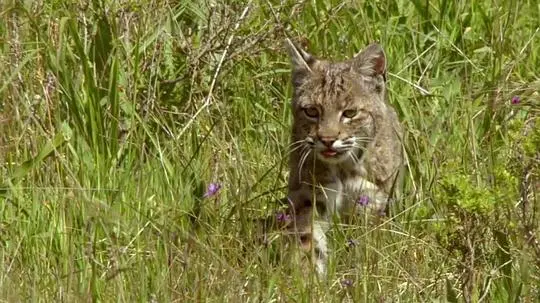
352,190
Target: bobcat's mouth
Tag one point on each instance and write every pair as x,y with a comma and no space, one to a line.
332,156
330,153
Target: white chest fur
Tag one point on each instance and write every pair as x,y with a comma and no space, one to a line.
361,193
332,194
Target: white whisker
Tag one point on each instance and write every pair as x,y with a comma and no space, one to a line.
295,149
362,140
362,147
299,142
354,158
305,153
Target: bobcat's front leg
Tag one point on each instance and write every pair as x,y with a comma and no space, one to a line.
320,249
310,232
312,209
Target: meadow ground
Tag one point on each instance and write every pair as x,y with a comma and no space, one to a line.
115,117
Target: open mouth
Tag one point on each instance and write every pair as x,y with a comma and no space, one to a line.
329,153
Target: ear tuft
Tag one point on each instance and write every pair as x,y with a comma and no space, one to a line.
371,61
302,62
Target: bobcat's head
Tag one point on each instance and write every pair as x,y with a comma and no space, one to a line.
337,105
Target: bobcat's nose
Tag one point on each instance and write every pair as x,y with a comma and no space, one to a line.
328,141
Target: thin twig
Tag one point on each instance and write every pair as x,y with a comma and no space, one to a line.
208,98
422,90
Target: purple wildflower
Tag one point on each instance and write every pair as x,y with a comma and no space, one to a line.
282,217
364,200
346,283
212,190
516,100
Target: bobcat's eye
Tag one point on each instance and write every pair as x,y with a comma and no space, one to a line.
311,112
350,113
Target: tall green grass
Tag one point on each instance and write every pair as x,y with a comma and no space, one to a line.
115,116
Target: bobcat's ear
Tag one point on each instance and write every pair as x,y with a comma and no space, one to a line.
371,62
302,63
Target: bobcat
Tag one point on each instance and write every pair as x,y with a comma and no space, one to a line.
346,151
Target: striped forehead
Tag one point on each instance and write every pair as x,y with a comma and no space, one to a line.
331,84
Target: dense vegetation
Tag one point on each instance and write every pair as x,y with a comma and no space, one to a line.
117,117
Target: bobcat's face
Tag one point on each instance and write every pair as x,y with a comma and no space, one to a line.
335,106
335,116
